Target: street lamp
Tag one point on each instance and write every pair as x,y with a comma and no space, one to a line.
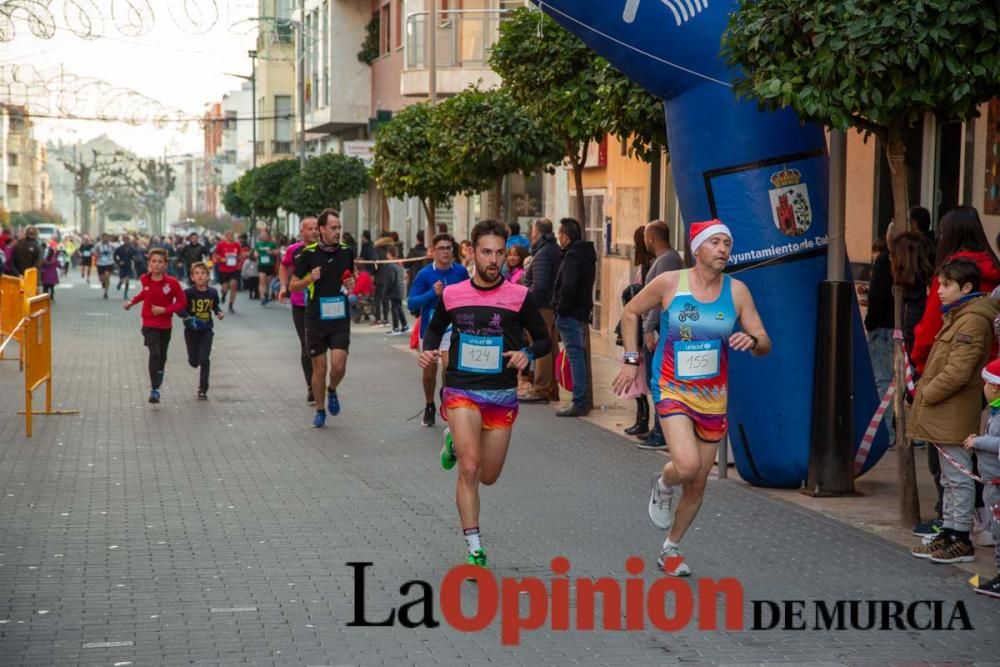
253,102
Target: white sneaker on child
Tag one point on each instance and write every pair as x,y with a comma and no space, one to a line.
982,534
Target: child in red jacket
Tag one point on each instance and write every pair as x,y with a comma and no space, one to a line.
161,297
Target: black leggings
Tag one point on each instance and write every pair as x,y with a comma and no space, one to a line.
157,340
299,318
199,349
398,316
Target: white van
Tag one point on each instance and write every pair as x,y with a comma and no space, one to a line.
48,232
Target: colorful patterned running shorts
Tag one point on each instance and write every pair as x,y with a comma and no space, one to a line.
708,428
498,407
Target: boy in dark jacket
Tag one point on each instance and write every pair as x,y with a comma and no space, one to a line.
947,405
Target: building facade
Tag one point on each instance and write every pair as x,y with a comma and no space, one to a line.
24,182
275,80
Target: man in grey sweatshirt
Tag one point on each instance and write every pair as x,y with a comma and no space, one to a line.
657,240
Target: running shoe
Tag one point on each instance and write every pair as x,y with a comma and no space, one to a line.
202,395
265,301
478,557
669,566
429,411
320,419
332,402
448,457
927,528
231,309
154,396
991,588
310,399
661,505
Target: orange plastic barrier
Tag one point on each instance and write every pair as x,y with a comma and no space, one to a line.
12,310
37,346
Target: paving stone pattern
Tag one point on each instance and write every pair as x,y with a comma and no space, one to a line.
217,532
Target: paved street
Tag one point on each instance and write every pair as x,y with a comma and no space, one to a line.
218,532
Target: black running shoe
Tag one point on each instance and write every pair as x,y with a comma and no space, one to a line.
990,588
202,395
428,419
310,399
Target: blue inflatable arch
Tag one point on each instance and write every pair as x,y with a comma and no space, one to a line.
763,174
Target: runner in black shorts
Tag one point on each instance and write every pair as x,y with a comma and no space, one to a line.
487,316
326,271
104,258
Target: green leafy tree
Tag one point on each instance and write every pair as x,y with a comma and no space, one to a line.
633,116
409,161
556,78
261,187
875,65
234,202
485,135
326,180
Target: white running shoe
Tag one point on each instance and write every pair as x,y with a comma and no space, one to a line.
679,569
661,505
982,533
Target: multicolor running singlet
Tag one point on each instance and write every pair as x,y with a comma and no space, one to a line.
691,364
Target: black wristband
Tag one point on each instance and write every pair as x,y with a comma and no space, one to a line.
631,362
755,341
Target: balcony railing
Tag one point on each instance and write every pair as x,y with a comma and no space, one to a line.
464,37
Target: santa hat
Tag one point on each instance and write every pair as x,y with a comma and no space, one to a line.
702,231
992,372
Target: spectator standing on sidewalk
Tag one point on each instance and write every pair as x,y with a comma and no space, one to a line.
395,290
656,237
642,261
27,253
948,403
516,237
382,277
960,235
880,321
418,251
987,448
574,305
49,273
540,277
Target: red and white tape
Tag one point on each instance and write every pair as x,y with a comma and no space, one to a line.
866,442
962,469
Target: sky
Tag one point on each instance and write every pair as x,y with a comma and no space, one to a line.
157,52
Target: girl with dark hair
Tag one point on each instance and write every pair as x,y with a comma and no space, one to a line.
912,270
961,235
643,260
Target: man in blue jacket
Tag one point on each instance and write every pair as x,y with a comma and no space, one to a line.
424,295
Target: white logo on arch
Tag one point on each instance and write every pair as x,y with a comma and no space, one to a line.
683,10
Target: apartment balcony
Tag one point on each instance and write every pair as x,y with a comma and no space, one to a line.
464,38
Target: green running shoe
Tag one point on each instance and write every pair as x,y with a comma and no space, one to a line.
447,451
477,558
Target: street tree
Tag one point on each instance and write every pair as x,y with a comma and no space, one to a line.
233,202
485,135
409,161
877,66
261,187
325,181
555,77
633,116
